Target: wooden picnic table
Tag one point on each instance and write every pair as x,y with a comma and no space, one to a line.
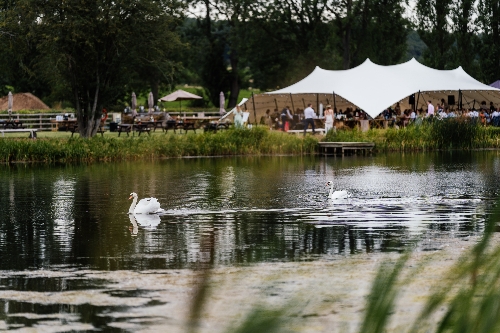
13,124
140,128
68,124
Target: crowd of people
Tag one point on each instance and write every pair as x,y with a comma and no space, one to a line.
484,114
304,118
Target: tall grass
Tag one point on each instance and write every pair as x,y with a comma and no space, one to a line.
439,134
258,141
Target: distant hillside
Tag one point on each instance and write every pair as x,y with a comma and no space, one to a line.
415,45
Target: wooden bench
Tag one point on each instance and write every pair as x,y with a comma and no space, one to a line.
74,128
124,128
188,126
309,130
141,128
32,131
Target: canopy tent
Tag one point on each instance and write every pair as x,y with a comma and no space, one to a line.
374,88
495,84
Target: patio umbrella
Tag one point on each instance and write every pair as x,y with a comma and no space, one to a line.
134,105
151,103
179,95
10,102
222,101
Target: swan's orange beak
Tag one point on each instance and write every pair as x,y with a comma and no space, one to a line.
131,197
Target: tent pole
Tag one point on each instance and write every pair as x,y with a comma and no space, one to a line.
304,103
459,99
254,112
276,103
334,103
291,99
418,98
317,103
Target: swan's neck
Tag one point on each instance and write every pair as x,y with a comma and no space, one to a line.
132,206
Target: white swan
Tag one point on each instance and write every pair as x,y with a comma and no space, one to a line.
145,206
334,195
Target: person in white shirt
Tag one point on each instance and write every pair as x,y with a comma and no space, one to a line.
309,116
430,110
413,115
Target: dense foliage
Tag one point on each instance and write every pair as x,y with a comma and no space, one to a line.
94,54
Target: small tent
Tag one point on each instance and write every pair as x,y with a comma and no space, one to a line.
495,84
374,88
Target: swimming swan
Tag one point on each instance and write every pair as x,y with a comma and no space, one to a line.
145,206
334,195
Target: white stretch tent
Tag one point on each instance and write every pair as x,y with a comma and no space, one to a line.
374,88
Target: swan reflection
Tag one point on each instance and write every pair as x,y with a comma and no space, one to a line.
147,221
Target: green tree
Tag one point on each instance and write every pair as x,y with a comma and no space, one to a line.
434,29
380,32
95,48
464,32
489,24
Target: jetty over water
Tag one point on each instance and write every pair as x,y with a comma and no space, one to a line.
345,148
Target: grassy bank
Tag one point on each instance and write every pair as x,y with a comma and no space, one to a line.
447,134
232,142
58,147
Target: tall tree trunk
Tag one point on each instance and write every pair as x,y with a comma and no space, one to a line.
347,37
235,81
155,87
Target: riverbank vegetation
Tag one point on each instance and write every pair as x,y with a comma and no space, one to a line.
59,147
111,148
448,134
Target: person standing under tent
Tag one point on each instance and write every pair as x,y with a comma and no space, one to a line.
238,117
309,116
328,118
430,110
413,116
286,116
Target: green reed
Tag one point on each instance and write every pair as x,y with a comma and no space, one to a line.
258,141
437,135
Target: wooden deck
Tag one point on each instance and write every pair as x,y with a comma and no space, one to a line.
342,148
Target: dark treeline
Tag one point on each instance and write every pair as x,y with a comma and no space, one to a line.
94,53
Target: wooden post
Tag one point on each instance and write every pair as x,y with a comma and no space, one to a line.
291,99
254,112
276,103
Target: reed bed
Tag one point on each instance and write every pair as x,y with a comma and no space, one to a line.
437,135
258,141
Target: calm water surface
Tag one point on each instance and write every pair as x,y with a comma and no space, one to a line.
224,211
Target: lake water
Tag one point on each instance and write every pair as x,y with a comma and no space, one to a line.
63,226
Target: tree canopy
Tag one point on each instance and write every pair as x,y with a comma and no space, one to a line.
94,53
